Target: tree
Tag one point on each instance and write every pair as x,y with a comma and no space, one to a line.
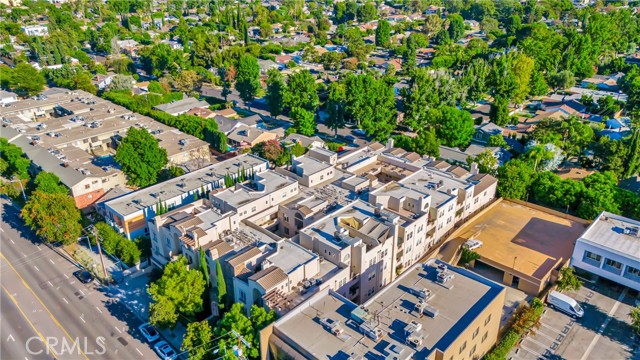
226,74
487,162
456,27
497,140
522,68
537,154
121,83
301,91
303,121
367,12
49,183
426,143
454,127
26,80
162,313
270,150
248,78
468,256
600,195
383,34
275,92
537,84
514,179
141,157
499,112
635,318
568,280
170,173
181,287
197,340
336,106
248,327
187,81
221,286
432,25
562,80
371,102
53,216
217,139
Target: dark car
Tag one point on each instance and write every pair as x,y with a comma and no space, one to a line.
350,138
84,276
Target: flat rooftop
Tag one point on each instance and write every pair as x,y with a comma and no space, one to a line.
615,233
358,215
290,256
149,196
310,165
538,239
459,302
268,182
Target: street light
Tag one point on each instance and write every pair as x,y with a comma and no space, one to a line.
94,232
21,187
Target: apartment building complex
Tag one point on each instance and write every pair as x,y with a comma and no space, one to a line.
435,312
129,213
74,134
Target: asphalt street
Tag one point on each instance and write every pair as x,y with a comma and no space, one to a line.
72,320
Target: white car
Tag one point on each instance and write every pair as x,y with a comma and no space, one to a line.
473,244
149,332
164,350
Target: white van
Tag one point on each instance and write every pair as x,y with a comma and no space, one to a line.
565,304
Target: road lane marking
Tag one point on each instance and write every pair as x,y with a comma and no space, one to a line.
100,311
1,230
13,300
81,292
36,267
50,284
82,320
139,352
604,325
65,300
52,261
65,275
55,320
13,242
120,331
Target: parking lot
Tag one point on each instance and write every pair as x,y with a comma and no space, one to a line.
604,332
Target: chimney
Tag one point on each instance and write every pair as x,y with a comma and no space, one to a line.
390,143
474,169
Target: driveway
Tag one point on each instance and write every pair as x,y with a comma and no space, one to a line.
604,332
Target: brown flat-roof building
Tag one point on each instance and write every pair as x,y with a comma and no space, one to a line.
525,242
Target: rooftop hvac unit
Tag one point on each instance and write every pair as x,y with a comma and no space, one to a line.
632,230
426,309
415,340
332,326
422,293
371,331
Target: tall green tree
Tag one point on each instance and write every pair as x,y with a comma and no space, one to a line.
336,106
456,27
248,78
499,112
221,286
181,287
26,80
514,179
426,143
371,103
276,88
303,121
383,34
53,216
141,157
454,127
197,339
302,91
635,318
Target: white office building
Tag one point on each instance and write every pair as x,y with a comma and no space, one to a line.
35,30
610,248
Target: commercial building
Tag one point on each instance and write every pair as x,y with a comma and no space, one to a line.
129,213
310,171
610,248
434,311
524,245
74,134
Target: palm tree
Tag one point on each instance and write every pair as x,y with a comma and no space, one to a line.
538,153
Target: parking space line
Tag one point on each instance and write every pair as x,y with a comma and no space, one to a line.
65,275
65,300
546,336
13,242
100,311
537,342
81,318
551,328
529,350
120,331
52,261
36,267
604,325
139,352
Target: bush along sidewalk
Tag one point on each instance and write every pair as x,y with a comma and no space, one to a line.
525,320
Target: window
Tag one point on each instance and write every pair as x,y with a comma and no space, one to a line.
473,350
372,275
591,258
253,209
464,346
286,217
243,296
487,320
475,333
612,265
484,337
286,231
632,271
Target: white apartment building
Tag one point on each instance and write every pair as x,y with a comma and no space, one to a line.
35,30
610,248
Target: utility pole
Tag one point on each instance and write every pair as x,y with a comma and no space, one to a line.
104,271
21,187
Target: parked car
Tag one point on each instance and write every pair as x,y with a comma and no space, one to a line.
84,276
164,350
565,304
350,138
359,132
149,332
473,244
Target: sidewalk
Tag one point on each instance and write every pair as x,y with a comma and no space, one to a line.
90,258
